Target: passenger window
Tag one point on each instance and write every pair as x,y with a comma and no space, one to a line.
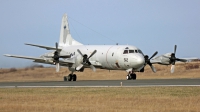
125,52
131,51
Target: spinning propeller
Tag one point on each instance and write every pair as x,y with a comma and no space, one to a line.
173,59
56,58
86,60
147,61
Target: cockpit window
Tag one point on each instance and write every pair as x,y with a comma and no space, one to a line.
140,52
131,51
125,52
136,51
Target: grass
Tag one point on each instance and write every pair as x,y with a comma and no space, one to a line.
152,99
37,73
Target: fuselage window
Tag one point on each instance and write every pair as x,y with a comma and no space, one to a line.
125,52
112,54
131,51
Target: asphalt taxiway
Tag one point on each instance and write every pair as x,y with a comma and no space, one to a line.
105,83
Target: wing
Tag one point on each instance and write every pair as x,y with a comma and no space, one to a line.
66,62
189,59
155,61
45,47
24,57
164,60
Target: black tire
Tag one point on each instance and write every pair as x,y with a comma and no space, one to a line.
70,77
74,77
133,76
65,78
128,77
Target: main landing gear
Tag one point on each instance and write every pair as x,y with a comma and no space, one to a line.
70,77
131,75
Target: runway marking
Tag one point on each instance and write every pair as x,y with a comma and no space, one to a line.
99,86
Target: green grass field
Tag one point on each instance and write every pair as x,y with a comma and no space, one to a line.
151,99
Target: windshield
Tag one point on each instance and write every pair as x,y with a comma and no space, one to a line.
133,51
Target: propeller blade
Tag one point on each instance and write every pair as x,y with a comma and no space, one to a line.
175,49
79,67
153,68
182,60
57,67
56,46
92,54
154,54
93,68
172,68
80,52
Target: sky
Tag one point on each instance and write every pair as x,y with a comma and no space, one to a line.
151,25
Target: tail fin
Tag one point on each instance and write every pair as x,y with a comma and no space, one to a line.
65,36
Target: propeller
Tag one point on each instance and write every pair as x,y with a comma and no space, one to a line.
173,59
56,58
147,61
86,60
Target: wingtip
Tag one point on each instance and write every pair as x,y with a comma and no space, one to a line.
7,55
26,43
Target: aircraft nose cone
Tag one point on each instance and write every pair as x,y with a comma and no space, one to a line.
140,61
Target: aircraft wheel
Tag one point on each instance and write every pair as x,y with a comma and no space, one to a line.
70,77
74,77
128,77
65,78
133,76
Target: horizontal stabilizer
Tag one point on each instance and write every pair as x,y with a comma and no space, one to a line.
45,47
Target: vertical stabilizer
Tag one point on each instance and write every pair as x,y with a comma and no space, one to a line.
65,36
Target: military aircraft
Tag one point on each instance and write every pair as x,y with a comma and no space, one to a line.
76,56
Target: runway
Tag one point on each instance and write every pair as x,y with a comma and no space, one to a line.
105,83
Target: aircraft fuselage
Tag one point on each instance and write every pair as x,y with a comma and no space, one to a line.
112,57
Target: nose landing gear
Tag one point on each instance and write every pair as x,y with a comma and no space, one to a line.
131,76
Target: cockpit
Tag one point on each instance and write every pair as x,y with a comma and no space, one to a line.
130,51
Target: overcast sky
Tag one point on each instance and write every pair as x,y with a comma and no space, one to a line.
151,25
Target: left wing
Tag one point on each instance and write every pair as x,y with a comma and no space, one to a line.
44,60
24,57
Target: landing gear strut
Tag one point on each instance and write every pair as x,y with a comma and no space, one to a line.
131,75
70,77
